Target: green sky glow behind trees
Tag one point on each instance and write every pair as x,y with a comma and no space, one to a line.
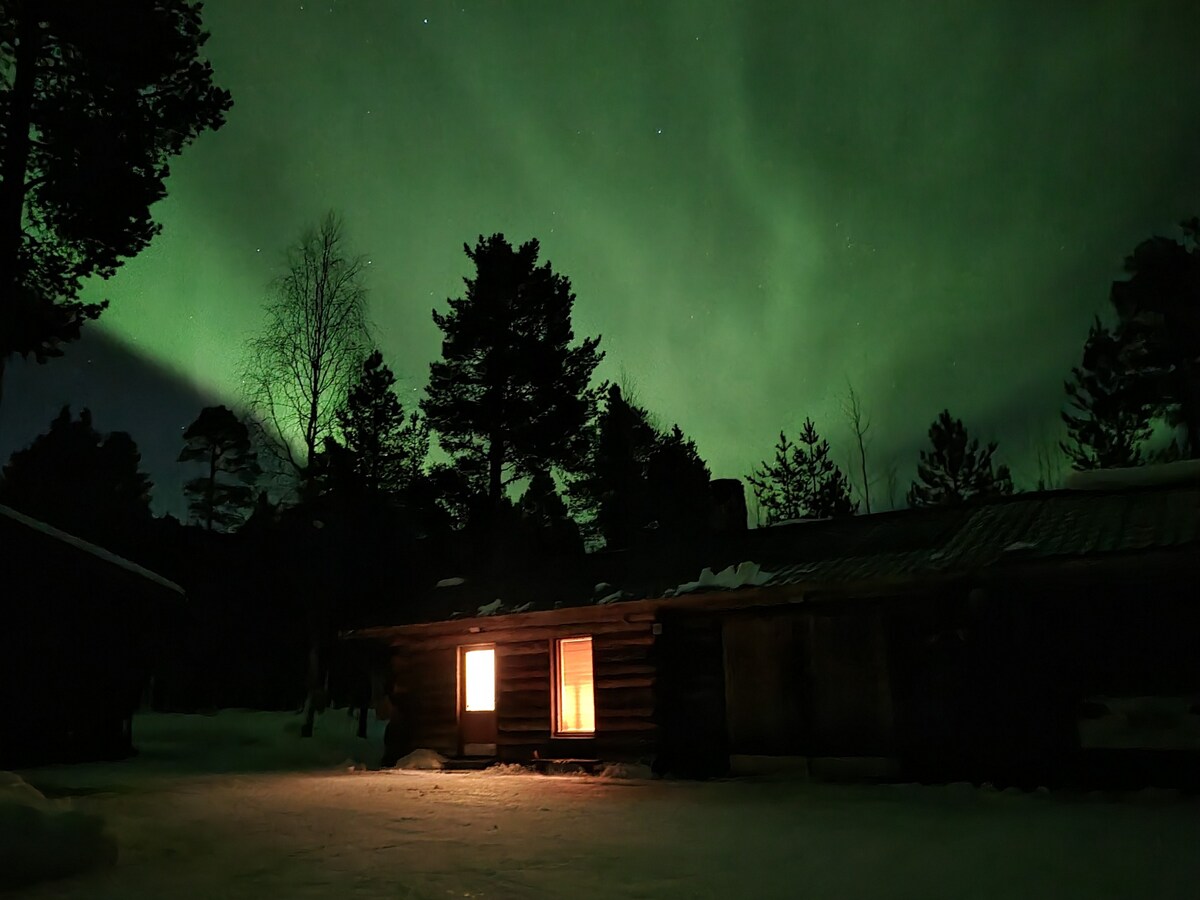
753,201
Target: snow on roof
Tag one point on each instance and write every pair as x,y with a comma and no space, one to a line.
80,544
746,574
800,521
1181,472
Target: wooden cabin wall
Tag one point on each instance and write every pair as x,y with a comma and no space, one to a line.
425,690
623,685
850,693
690,695
523,698
766,692
424,695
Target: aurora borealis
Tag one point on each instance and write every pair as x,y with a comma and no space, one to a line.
754,201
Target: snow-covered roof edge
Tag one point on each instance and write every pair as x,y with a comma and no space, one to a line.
1185,471
87,547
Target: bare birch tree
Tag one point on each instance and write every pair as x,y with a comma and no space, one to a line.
300,368
860,423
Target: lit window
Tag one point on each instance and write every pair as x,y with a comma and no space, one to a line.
480,671
576,704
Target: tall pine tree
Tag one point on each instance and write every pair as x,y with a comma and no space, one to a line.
803,481
511,392
224,494
95,100
1109,418
956,470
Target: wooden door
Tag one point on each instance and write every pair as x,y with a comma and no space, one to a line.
764,684
477,700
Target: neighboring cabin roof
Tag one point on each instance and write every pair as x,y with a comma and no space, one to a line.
86,547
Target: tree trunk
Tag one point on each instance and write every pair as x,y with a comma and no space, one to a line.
314,680
210,490
495,472
19,120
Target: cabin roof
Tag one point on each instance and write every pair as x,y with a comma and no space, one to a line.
86,547
1047,525
1098,519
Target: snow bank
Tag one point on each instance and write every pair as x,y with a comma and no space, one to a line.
42,839
625,770
422,760
241,740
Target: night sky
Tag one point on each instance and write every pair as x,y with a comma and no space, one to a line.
754,201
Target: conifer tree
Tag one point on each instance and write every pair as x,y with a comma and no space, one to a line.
1109,419
956,470
224,494
677,484
95,100
76,479
637,478
386,449
803,481
1158,308
545,516
511,392
777,485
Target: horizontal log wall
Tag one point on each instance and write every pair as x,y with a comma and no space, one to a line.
624,680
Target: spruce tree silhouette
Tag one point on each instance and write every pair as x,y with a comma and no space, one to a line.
1158,308
636,478
511,394
956,470
386,449
95,101
224,494
1109,415
677,485
802,481
74,478
544,515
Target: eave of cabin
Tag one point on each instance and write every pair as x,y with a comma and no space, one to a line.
89,548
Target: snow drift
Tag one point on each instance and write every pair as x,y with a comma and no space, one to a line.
42,839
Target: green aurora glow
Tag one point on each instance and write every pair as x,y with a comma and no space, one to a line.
754,201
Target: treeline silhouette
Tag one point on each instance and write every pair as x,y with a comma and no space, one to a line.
322,506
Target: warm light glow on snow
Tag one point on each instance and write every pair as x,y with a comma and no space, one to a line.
480,668
576,704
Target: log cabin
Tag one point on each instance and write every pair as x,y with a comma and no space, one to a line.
77,644
960,642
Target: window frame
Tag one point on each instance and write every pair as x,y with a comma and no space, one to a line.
556,686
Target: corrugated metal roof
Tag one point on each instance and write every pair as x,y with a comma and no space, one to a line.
1039,526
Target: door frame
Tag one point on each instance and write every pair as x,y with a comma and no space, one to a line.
477,729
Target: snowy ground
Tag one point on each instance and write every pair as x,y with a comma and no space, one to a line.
209,811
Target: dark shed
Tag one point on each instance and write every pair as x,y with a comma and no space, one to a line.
76,647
